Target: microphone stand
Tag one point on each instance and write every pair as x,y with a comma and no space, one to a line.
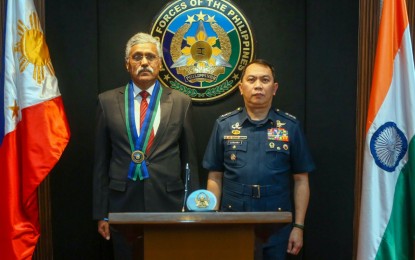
186,186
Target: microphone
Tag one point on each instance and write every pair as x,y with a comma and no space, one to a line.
186,186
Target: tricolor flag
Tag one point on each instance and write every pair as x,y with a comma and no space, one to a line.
387,214
33,128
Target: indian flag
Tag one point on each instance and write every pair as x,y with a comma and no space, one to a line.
387,214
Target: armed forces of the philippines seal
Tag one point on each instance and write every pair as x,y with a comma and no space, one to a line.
206,46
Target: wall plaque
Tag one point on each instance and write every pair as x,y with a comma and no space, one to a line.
206,45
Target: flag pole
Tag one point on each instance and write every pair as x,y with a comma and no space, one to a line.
44,247
368,32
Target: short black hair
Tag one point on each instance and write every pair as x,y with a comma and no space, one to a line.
262,62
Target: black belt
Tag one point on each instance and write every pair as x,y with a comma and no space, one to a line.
255,191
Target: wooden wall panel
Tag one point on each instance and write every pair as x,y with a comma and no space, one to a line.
44,248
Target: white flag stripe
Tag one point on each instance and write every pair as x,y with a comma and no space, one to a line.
20,88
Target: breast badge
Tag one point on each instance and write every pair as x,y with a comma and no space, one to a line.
236,132
280,124
236,126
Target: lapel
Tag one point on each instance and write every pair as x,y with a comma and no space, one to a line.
166,105
121,103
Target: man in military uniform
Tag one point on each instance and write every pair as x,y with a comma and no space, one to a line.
253,155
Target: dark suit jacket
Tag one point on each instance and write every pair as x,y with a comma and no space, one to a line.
172,148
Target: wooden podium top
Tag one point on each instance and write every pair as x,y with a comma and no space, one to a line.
164,218
197,235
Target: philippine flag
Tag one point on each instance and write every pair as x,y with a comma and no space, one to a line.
33,127
387,214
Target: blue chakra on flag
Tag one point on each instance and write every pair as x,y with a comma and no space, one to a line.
388,146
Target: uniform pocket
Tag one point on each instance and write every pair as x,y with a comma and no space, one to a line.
278,155
117,185
235,153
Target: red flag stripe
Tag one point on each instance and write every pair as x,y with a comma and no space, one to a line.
26,157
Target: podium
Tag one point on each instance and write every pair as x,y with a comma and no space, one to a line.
198,235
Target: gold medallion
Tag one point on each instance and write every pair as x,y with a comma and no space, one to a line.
137,156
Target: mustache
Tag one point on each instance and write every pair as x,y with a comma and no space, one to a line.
144,69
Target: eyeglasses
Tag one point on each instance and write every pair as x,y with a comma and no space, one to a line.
138,57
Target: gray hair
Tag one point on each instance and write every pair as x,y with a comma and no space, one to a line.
141,38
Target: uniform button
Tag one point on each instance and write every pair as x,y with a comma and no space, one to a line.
279,209
229,206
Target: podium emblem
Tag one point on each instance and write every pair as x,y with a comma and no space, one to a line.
201,200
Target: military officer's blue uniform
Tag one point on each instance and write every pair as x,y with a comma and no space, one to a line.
258,159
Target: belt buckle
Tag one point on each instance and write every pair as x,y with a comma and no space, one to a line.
256,191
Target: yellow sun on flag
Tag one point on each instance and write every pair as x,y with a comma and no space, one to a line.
201,50
33,48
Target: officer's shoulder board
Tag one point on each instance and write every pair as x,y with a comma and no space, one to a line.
285,114
229,114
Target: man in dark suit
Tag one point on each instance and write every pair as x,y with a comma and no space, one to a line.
143,143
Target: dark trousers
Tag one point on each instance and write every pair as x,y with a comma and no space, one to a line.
275,248
126,248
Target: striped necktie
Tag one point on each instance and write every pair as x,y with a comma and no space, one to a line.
143,110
